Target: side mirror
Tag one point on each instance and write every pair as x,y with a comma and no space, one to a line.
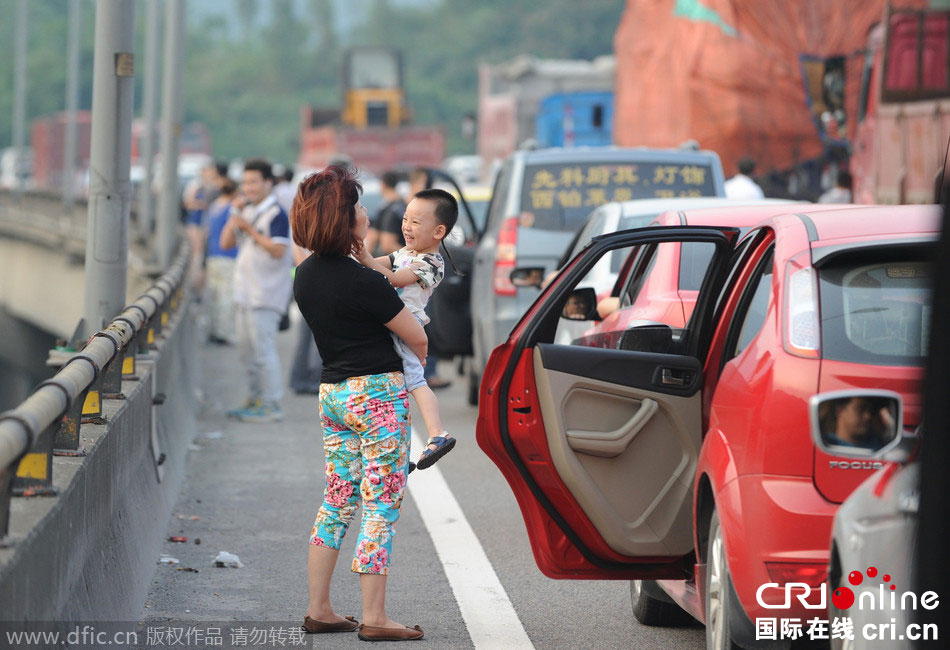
527,277
858,423
581,305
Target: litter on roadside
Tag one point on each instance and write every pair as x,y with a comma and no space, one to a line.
178,538
168,559
229,560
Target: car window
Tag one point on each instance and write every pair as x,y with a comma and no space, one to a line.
694,259
693,263
646,258
750,315
875,312
651,315
559,196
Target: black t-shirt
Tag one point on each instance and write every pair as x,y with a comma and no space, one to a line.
346,305
389,219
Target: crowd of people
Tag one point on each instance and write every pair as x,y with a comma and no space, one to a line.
837,180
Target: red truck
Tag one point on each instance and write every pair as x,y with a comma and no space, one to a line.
804,88
900,144
373,128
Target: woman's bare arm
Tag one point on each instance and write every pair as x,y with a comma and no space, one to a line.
406,327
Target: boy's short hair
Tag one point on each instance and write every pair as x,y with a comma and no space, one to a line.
446,207
261,165
323,213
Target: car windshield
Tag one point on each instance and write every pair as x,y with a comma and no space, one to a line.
876,312
559,196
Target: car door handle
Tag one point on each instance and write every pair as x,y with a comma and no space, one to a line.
669,378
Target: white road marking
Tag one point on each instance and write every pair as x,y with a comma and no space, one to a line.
489,616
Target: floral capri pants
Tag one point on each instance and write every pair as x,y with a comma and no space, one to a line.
366,427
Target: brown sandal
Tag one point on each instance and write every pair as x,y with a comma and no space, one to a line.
313,626
370,633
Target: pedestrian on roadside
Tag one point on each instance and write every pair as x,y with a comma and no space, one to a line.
262,288
197,198
364,405
307,366
385,228
219,269
841,192
741,186
284,189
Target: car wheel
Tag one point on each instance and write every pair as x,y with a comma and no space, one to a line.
474,382
721,603
654,611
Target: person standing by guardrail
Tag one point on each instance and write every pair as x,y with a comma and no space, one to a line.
219,267
364,404
262,288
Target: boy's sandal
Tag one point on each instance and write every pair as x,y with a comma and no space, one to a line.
443,445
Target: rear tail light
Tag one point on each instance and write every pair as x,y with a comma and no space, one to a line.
802,332
505,254
784,572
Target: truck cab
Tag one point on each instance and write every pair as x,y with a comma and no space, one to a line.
900,142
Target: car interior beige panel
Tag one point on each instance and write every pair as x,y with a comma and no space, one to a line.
639,500
617,423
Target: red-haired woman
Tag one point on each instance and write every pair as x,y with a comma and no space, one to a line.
364,406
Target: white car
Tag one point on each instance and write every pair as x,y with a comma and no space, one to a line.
871,567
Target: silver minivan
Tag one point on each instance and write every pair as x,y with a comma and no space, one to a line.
541,198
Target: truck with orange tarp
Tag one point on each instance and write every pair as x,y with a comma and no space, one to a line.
804,87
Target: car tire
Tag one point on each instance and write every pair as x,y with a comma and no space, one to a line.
474,382
654,611
721,602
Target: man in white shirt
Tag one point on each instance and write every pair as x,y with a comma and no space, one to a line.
841,192
741,186
262,287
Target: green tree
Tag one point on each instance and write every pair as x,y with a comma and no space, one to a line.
247,13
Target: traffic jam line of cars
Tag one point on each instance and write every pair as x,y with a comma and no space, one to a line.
655,421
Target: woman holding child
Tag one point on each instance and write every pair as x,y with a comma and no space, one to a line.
364,405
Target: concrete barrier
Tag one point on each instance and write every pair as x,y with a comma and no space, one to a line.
89,554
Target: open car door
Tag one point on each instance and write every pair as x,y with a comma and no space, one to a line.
600,445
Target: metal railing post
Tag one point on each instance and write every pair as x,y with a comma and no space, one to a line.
107,241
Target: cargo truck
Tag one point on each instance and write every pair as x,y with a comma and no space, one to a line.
373,128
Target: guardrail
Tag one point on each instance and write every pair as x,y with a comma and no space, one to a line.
48,421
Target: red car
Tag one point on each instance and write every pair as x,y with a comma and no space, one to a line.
668,293
681,458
